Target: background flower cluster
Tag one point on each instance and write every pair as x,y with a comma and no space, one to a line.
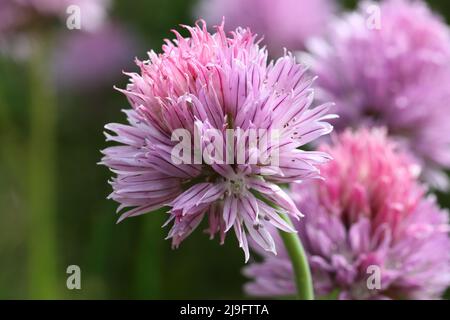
381,201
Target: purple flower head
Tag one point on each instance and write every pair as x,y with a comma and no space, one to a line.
387,65
370,231
283,23
208,85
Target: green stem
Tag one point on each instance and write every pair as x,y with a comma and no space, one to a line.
42,200
302,273
11,144
149,259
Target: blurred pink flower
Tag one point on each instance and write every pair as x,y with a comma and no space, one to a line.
14,14
20,21
204,82
282,23
369,210
88,60
388,64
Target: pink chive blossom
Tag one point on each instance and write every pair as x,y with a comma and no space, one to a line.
388,64
283,23
211,81
368,213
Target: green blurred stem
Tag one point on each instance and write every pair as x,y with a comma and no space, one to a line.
300,264
42,145
149,260
11,148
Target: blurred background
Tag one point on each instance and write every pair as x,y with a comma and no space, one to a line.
56,94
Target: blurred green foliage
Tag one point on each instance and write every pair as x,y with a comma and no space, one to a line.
129,260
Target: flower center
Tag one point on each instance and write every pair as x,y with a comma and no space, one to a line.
236,186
